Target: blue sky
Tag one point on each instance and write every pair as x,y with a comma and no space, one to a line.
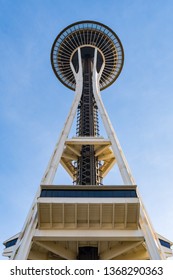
34,104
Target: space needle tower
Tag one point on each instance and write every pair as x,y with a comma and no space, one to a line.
87,219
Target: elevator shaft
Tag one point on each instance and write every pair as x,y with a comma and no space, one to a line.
87,125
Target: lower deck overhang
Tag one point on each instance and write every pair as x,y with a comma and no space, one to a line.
88,207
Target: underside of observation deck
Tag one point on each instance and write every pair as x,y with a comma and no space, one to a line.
82,34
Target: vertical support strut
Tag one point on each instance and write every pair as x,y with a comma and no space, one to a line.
153,245
55,159
25,238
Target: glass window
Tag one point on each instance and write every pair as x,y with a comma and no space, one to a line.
165,243
11,243
88,193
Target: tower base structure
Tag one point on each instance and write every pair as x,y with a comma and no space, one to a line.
87,221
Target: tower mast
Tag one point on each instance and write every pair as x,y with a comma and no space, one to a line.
87,220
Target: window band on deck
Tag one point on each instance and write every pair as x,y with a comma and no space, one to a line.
88,193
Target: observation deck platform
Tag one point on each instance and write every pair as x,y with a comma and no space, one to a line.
106,217
88,207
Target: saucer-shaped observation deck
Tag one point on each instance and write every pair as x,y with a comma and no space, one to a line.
86,34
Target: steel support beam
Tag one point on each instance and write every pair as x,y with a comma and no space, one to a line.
57,249
119,249
89,235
